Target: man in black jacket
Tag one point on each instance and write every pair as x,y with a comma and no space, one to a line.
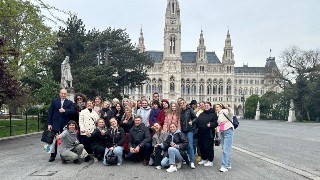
186,117
139,142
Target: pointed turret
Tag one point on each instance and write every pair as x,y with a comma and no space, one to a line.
172,30
228,54
141,46
201,49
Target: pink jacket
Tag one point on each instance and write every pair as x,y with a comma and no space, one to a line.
169,119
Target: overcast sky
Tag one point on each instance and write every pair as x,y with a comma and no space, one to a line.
255,25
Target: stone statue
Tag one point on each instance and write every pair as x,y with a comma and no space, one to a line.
291,105
66,77
257,117
258,106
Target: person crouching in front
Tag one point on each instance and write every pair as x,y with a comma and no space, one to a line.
70,148
115,141
139,142
176,144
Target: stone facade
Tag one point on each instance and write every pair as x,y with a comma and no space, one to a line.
198,75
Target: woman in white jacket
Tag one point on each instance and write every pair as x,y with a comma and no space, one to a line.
87,122
226,129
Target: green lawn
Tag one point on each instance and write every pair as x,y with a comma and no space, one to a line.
19,126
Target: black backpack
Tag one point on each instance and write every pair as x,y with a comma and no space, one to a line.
47,136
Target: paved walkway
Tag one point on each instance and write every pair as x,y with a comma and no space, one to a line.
260,150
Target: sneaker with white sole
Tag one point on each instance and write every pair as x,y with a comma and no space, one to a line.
223,169
192,165
202,162
179,165
158,167
229,167
172,168
208,163
95,159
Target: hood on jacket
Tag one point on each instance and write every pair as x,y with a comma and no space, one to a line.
176,132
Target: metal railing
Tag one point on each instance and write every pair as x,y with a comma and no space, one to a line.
11,125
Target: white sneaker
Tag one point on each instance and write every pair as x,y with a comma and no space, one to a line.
202,162
172,168
223,169
192,165
229,167
95,159
119,163
179,165
158,167
208,163
150,162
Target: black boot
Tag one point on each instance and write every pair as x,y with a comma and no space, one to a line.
52,158
87,158
77,161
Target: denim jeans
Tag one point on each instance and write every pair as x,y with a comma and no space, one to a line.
226,142
174,155
190,145
117,151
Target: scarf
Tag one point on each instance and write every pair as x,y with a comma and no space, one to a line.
101,128
154,113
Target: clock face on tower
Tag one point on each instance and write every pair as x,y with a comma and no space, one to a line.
172,21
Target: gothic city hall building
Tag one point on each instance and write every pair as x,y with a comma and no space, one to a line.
199,75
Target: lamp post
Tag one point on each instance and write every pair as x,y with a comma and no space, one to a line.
103,56
243,100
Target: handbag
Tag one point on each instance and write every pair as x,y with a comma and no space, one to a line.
111,158
217,139
47,136
234,121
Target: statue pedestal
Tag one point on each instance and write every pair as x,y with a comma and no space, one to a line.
257,115
70,94
292,115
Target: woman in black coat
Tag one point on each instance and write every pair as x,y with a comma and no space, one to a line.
177,145
99,140
206,122
115,141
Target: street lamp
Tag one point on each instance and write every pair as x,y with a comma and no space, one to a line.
242,100
103,56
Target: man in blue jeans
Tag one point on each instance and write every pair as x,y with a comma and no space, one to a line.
187,115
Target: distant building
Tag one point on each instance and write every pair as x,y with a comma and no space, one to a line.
198,75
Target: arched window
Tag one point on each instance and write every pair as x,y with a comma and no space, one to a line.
159,85
172,8
188,89
235,91
172,44
201,89
220,89
251,91
262,91
229,86
183,91
193,89
240,91
256,91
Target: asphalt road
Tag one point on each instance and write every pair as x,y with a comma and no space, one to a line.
262,150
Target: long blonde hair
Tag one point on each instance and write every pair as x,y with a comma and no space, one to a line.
177,112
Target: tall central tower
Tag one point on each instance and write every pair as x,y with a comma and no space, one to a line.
172,51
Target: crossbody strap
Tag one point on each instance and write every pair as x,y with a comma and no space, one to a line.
227,117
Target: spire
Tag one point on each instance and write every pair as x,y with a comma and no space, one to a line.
141,46
201,48
172,30
228,54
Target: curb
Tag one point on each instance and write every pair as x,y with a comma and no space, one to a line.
19,136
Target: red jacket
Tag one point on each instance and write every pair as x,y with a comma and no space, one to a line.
160,118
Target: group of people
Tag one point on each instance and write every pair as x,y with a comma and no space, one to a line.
158,133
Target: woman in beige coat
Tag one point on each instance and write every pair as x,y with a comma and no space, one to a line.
87,123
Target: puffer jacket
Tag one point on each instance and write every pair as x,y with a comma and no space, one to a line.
177,138
186,116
